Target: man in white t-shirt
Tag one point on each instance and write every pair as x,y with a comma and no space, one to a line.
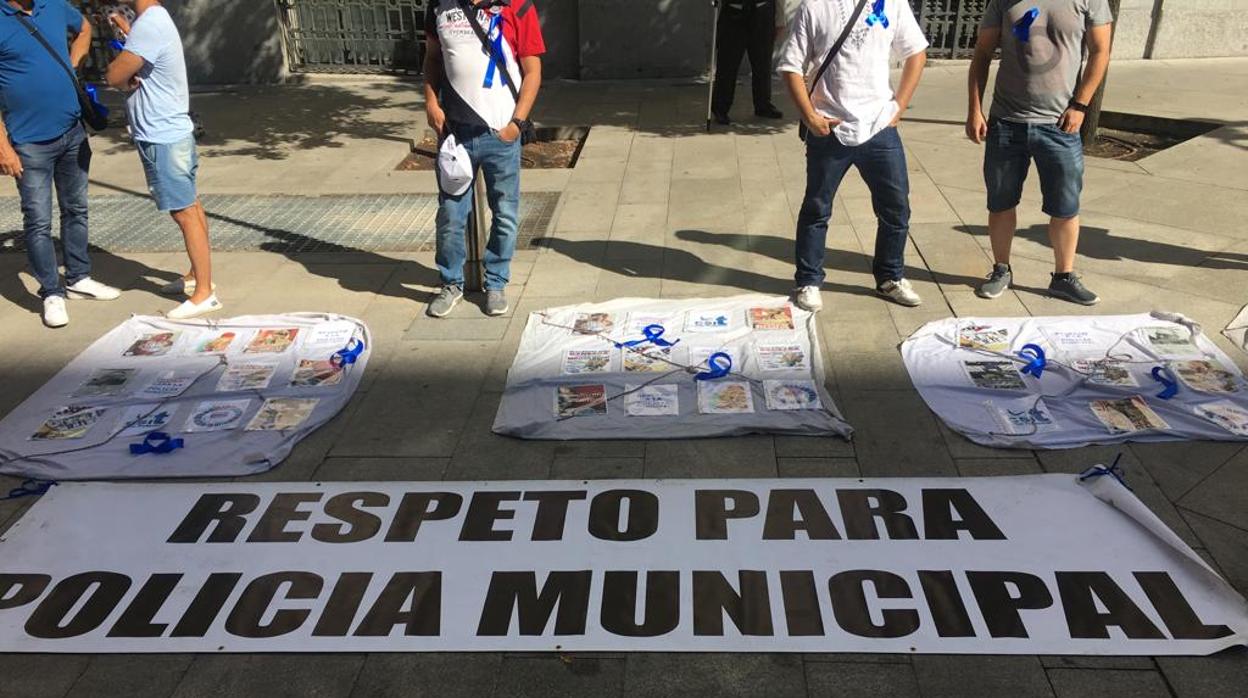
852,116
152,69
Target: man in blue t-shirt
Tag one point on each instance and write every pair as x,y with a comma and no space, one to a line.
152,69
42,144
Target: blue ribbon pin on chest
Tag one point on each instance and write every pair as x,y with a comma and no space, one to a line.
498,60
1022,28
876,15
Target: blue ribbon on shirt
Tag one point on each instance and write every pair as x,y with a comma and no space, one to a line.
157,442
1036,360
1162,375
720,365
653,335
1022,28
876,16
498,59
347,355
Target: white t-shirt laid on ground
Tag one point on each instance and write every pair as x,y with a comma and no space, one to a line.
855,88
160,110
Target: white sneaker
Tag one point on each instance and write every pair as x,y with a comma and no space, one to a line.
93,290
54,313
900,292
181,287
189,310
809,299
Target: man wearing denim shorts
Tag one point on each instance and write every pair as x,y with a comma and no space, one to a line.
1038,105
152,69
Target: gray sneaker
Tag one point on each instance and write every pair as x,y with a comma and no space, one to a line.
447,299
1069,287
998,282
495,303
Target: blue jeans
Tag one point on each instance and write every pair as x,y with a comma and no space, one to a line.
1010,148
882,163
64,162
499,163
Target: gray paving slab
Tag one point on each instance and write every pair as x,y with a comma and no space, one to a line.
715,675
861,680
943,676
817,467
610,468
557,675
40,675
439,675
1108,683
1224,494
137,676
381,469
1182,465
1223,675
321,675
896,435
1227,545
743,456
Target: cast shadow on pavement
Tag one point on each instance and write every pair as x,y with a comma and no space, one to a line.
109,268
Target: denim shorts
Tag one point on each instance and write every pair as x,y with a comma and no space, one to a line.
1010,149
170,170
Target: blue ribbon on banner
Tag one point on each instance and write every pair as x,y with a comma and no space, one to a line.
348,354
1114,470
653,335
157,442
876,16
1037,361
93,93
1162,375
1022,28
498,59
31,488
720,365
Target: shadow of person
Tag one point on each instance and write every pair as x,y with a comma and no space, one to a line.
1101,243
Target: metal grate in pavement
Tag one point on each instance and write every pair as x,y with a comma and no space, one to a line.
374,223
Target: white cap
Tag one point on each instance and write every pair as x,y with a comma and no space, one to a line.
454,167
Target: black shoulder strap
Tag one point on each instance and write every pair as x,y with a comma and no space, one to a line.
34,31
471,13
836,48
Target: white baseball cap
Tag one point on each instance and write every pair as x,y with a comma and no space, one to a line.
454,167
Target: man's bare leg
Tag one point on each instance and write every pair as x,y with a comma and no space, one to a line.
1001,226
194,225
1064,237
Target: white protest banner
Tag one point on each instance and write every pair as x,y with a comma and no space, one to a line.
1041,564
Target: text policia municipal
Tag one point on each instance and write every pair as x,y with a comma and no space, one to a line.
871,603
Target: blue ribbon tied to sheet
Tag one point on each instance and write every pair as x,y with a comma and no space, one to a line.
498,59
1035,358
347,355
720,365
31,488
876,15
1022,28
158,443
1114,470
94,94
653,335
1162,375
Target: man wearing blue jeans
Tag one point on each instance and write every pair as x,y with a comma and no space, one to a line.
467,94
43,146
852,115
1037,109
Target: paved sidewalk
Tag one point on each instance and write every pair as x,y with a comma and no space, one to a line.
658,208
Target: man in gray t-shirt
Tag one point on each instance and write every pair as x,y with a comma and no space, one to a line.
1042,91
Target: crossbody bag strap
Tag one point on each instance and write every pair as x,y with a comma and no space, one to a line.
470,11
836,47
34,31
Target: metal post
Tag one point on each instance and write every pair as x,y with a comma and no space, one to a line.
477,232
710,90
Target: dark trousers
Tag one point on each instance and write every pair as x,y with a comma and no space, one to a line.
882,164
745,26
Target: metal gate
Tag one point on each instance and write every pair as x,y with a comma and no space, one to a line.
950,25
353,36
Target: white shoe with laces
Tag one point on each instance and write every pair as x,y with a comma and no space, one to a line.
54,312
900,292
90,289
190,310
809,298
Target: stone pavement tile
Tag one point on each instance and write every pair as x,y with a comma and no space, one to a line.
579,468
601,448
432,675
39,675
1092,662
553,676
958,676
630,279
817,467
858,332
858,657
1107,683
861,680
876,370
680,674
467,324
381,469
1227,545
1221,275
131,675
483,455
1178,203
645,187
555,277
1223,675
895,435
1139,251
993,467
741,456
1180,465
229,675
966,304
1224,494
813,446
637,218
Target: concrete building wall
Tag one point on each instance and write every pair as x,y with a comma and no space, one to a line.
644,38
1181,29
230,41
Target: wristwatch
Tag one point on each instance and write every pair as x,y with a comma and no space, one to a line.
522,124
1077,105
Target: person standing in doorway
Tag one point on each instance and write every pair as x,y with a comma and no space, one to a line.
43,145
152,68
745,27
1038,106
852,113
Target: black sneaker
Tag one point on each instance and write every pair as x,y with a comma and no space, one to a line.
447,299
769,112
998,282
721,118
1068,287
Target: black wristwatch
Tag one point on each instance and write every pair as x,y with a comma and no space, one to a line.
1077,105
522,124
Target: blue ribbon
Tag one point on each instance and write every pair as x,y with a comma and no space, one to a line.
1037,361
31,488
348,354
653,335
720,365
1114,470
93,93
117,45
876,16
498,59
1022,28
157,442
1162,375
